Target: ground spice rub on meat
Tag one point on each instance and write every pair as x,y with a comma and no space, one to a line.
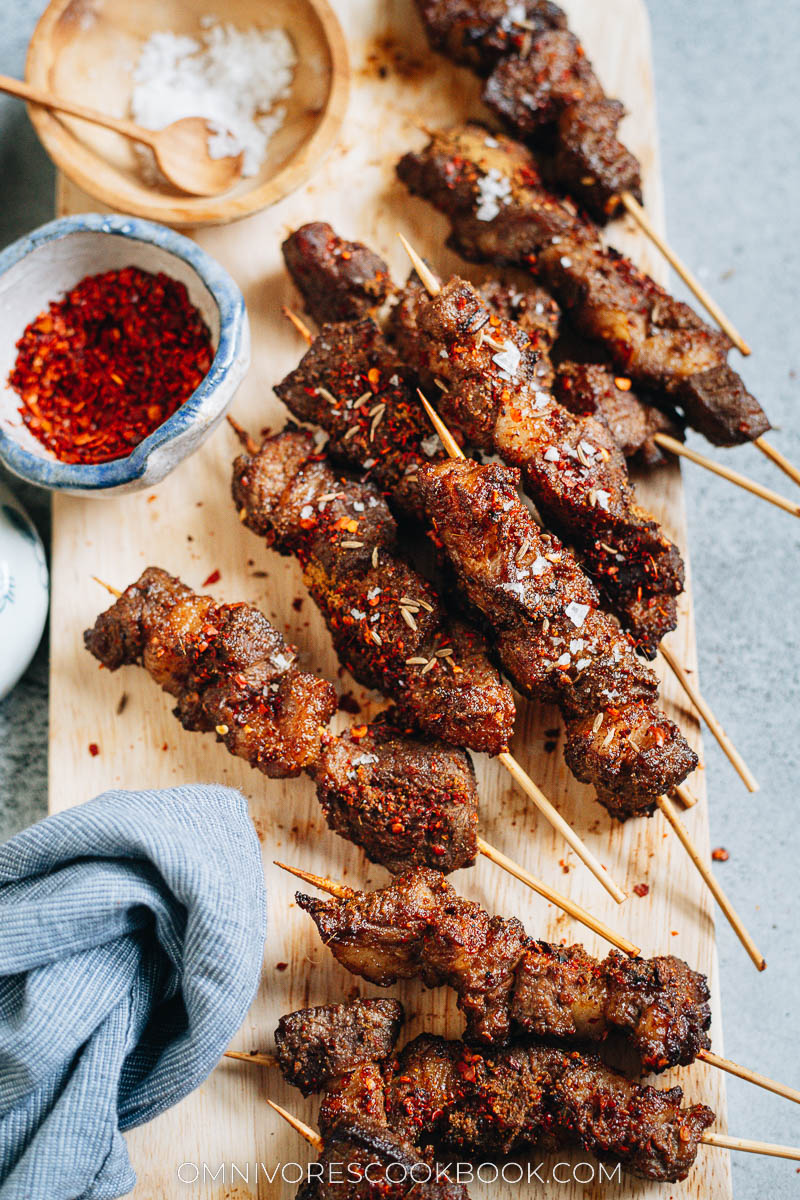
553,640
500,212
483,372
388,623
229,669
419,927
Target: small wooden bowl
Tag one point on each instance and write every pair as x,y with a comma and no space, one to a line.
85,51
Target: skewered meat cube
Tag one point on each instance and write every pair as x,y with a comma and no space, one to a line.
480,34
316,1045
405,801
526,1095
553,640
228,667
354,385
509,984
340,280
591,388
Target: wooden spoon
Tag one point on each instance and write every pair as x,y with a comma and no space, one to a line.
181,149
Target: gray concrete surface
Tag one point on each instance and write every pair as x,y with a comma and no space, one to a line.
729,116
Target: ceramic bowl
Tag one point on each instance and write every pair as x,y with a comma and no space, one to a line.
23,590
47,263
86,50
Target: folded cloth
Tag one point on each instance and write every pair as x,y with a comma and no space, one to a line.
131,939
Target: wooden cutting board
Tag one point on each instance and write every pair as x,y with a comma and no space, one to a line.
188,526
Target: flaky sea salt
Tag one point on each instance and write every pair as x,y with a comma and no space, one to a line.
576,612
235,78
494,189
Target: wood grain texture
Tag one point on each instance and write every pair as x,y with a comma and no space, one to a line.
189,527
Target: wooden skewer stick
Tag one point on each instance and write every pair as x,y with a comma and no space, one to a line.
304,1130
725,1142
685,796
429,280
563,902
554,817
260,1060
341,892
249,443
673,446
299,324
693,692
694,285
733,918
114,591
775,456
762,1081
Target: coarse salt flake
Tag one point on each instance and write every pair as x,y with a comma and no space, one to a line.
234,78
551,454
576,612
494,189
508,359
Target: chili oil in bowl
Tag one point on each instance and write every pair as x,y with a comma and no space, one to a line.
181,326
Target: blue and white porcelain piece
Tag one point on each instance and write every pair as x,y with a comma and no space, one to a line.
42,267
23,590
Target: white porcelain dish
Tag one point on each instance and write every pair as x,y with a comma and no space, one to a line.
43,266
23,590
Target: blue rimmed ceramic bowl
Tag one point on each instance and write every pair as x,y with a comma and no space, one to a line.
42,267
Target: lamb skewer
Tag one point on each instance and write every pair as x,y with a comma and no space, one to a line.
433,287
404,801
388,624
500,212
339,278
509,985
384,1187
541,84
466,504
346,281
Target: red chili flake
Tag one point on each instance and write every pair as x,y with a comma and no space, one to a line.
622,383
720,854
94,749
281,966
641,889
108,364
358,732
214,577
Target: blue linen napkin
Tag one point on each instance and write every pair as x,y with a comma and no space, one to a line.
131,938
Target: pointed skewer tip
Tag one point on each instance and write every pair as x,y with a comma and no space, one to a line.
429,280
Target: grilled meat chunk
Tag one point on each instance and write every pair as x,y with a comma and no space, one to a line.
529,1095
363,1160
591,163
532,308
317,1045
406,802
572,468
353,385
339,280
386,621
228,667
507,983
478,34
590,388
500,212
553,640
532,92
